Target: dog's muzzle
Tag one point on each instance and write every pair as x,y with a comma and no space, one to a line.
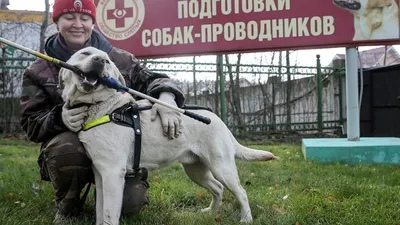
348,4
89,79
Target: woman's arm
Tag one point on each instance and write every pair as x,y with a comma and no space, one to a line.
40,115
142,79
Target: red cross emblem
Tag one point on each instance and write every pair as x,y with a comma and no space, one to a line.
120,13
120,19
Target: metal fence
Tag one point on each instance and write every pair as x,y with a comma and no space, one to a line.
249,98
281,99
11,73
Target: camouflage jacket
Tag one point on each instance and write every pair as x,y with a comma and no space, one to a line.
41,102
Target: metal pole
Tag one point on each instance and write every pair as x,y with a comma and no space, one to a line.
319,81
341,103
342,92
194,80
353,114
220,71
288,93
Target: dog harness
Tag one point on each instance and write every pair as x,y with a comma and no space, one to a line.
116,116
128,115
119,116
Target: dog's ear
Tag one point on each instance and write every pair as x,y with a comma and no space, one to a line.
60,80
64,79
117,74
121,79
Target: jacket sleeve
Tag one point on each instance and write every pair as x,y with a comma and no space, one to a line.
143,80
40,118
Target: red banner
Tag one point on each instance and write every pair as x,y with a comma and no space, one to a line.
156,28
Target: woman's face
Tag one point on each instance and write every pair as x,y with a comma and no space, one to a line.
76,29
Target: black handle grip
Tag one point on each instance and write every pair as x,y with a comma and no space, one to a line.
70,67
197,117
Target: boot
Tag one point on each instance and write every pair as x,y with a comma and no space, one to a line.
135,197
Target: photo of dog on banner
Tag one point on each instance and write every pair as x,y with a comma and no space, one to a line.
373,19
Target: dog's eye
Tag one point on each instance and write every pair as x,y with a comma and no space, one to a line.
85,53
107,61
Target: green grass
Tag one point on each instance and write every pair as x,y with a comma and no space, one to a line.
289,191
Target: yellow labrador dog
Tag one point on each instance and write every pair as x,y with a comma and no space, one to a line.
206,152
373,19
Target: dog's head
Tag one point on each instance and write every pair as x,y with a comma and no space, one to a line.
369,14
351,5
85,88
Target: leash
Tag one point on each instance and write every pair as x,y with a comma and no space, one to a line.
107,81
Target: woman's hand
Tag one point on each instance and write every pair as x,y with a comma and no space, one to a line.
170,119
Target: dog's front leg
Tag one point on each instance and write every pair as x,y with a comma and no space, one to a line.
99,196
112,185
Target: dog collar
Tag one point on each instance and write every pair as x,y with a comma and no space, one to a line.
97,122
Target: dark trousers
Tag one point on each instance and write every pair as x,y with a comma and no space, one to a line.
63,161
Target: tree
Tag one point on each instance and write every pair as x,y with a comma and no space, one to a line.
234,90
43,27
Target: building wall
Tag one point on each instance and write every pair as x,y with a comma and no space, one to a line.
23,28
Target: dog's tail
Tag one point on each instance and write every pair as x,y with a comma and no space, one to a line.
248,154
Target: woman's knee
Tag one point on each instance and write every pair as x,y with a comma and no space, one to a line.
65,156
62,144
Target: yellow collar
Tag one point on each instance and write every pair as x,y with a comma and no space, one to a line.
96,122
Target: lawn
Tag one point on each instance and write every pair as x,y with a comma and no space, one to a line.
289,191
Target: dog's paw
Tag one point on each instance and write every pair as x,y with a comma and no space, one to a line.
206,210
246,220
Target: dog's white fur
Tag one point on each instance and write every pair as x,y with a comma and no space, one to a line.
207,152
376,19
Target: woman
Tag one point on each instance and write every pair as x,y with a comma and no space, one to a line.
46,119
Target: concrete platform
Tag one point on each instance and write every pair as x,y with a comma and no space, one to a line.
385,150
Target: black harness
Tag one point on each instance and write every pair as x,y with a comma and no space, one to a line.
129,115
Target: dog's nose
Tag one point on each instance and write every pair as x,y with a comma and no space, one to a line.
97,59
